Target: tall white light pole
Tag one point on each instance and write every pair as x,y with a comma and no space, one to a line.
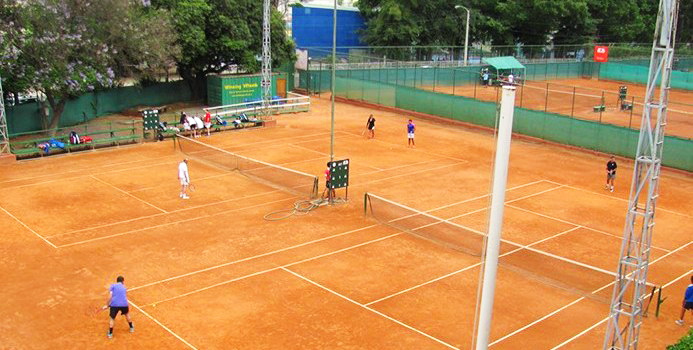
500,177
466,34
334,74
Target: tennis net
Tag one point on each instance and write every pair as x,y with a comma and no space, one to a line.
273,175
573,276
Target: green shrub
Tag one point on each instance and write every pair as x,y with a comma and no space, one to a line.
685,343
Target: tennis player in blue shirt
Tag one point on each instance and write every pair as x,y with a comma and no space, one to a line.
411,129
118,302
687,302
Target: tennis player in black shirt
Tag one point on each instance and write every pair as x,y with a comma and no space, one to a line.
370,125
610,173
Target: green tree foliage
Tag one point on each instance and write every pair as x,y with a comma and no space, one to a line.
507,22
216,35
64,48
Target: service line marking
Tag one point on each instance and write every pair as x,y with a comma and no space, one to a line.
163,326
129,194
369,309
28,228
271,269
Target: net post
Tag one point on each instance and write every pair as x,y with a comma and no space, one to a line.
365,204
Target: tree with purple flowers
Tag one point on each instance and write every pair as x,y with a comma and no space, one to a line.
65,48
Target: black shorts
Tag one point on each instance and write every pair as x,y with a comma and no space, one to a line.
688,305
122,309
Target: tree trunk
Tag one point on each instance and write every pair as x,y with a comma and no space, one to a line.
196,82
57,107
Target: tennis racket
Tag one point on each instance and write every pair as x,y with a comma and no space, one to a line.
93,311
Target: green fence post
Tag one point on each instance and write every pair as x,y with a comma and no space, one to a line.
396,72
522,89
546,71
546,98
475,83
632,107
320,80
435,77
602,108
454,72
572,106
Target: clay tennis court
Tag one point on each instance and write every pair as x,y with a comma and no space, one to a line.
210,272
578,97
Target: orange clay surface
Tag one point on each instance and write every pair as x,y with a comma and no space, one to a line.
211,273
588,94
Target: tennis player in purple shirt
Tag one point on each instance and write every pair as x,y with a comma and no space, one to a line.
118,302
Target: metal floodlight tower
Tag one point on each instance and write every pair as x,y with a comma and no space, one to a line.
266,57
629,294
4,135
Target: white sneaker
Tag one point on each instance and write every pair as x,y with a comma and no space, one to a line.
180,195
185,197
679,322
612,189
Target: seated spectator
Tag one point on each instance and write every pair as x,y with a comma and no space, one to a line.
237,123
199,125
74,138
219,120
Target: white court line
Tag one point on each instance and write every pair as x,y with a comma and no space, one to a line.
160,214
308,149
163,326
469,267
168,223
572,223
617,198
129,194
397,167
415,149
582,298
28,228
370,309
570,340
482,196
80,175
271,269
81,169
506,202
252,257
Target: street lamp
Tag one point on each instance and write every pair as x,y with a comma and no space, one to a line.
466,33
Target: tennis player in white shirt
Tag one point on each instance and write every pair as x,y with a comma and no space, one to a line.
184,178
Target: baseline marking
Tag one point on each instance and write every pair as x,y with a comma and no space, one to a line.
163,326
28,228
166,224
129,194
369,309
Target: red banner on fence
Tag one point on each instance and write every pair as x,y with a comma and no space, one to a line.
601,54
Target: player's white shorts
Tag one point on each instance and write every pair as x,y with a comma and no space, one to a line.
184,182
410,135
208,125
186,126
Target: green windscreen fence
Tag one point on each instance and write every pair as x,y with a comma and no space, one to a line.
638,74
26,117
318,78
678,152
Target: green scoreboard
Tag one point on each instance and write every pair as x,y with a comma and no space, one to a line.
339,173
151,119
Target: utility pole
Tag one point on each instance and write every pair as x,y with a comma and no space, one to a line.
266,81
629,294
